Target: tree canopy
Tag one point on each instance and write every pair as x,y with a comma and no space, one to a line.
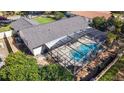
110,21
99,23
19,67
111,37
54,72
122,28
118,24
102,24
24,13
58,15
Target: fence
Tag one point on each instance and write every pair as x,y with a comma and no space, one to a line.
108,67
5,34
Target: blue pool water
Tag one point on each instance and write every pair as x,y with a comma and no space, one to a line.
81,53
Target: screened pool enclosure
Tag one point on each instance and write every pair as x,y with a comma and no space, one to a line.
78,49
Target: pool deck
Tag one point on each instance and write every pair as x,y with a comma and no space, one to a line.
97,61
83,68
66,49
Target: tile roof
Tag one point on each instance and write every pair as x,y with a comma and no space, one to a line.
92,14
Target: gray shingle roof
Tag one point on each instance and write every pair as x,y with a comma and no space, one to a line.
23,23
41,34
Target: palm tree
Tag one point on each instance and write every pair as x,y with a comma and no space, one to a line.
117,21
111,38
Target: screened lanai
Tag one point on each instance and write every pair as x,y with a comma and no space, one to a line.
78,49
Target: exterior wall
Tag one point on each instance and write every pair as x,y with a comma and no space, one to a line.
37,51
5,34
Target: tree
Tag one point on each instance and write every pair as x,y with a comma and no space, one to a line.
49,12
99,23
111,37
122,28
118,24
19,67
8,13
117,21
110,21
54,72
24,13
58,15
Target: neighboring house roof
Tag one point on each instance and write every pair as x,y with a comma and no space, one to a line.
41,34
92,14
23,23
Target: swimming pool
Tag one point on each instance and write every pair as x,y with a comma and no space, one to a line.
81,53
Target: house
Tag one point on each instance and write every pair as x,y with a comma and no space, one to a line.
22,23
42,38
92,14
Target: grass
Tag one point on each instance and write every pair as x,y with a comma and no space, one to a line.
5,28
112,72
43,20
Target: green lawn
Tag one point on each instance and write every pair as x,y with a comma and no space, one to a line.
5,28
112,72
43,20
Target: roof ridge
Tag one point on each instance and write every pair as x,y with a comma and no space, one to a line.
51,22
28,20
